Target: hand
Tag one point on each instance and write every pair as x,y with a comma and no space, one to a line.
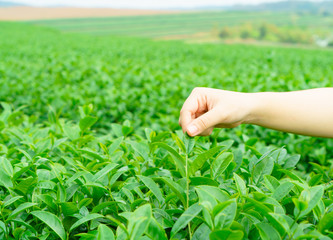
207,108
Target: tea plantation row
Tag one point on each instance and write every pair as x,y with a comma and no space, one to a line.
90,146
187,23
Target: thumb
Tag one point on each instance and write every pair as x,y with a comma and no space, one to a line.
202,123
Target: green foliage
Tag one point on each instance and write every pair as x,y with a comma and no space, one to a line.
90,147
52,221
270,32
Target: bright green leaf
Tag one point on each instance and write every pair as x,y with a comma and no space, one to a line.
52,221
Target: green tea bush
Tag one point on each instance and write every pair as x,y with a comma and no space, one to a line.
90,146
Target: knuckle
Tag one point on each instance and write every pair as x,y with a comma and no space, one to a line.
196,89
202,121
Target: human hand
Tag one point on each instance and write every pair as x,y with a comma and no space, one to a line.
207,108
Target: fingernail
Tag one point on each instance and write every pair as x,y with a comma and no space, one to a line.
192,129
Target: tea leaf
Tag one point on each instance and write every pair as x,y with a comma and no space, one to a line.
153,187
87,122
264,167
226,235
241,187
104,233
12,200
201,233
316,193
197,181
139,221
176,188
179,160
221,163
155,231
282,190
21,208
267,232
202,158
212,195
90,216
185,218
52,221
108,168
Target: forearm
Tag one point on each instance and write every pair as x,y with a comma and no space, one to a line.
307,112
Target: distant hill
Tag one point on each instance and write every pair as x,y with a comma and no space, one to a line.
10,4
285,6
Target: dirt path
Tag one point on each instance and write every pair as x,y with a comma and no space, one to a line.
36,13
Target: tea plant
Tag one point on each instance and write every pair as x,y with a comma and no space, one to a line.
90,147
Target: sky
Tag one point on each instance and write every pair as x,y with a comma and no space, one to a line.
145,4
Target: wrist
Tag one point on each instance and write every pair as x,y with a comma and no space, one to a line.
255,104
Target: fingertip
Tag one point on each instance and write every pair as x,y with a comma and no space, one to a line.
192,130
185,119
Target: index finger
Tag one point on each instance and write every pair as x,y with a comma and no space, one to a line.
187,113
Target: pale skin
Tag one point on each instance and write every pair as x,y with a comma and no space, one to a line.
306,112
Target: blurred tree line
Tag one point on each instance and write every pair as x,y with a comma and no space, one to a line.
268,32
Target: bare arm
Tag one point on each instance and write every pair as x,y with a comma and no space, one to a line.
307,112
